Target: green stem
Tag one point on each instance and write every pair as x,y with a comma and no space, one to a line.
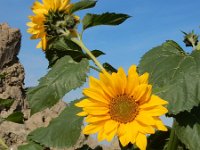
81,44
96,69
173,139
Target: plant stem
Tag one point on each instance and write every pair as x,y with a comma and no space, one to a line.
81,44
96,69
173,139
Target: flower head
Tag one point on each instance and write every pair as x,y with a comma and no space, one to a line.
51,18
122,105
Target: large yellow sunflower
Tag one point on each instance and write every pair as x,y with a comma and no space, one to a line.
122,105
50,17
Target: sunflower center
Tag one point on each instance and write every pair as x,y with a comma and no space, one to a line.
58,23
123,109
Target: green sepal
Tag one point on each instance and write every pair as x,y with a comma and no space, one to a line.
84,4
174,75
91,20
63,131
65,75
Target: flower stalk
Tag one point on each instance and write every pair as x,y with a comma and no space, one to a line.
82,45
173,139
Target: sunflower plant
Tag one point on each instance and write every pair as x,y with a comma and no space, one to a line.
121,105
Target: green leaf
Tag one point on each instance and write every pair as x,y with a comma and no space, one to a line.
188,128
174,75
17,117
97,53
31,146
62,131
91,20
109,68
60,47
84,4
64,76
5,103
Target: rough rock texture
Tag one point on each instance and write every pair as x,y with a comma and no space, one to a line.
12,87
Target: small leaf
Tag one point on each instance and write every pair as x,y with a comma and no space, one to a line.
91,20
174,75
60,47
109,68
64,76
84,4
97,53
5,103
31,146
17,117
188,128
62,131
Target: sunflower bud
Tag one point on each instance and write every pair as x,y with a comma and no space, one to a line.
190,39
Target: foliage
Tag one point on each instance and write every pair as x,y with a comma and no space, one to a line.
62,131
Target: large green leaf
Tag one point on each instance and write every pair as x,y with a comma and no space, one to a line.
91,20
17,117
175,75
64,76
62,131
188,128
84,4
31,146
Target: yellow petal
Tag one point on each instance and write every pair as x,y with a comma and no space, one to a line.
90,103
154,111
82,114
145,119
123,140
141,141
110,125
146,129
132,80
154,101
96,110
159,124
39,45
93,119
144,78
91,129
110,136
94,94
139,91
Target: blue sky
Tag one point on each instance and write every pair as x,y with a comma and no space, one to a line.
152,23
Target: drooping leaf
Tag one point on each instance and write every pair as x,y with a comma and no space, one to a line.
109,68
31,146
16,117
91,20
64,76
174,74
5,103
84,4
188,128
60,47
62,131
97,53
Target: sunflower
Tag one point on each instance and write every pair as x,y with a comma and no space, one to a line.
122,105
51,18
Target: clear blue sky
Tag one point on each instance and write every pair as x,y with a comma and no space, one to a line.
152,23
